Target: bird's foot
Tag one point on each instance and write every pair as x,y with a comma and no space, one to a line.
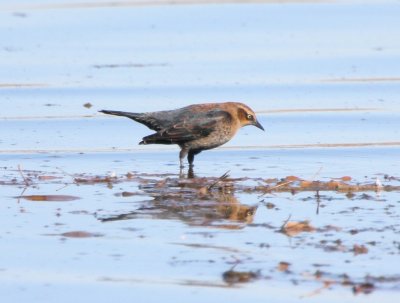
191,174
181,172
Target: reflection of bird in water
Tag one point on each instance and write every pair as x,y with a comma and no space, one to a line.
196,127
229,208
181,199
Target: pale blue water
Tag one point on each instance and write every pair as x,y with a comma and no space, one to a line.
283,60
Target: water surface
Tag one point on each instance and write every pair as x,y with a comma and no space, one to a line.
87,210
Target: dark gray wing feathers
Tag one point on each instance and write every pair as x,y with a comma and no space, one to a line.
189,128
177,127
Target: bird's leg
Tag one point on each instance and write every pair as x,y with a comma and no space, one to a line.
191,158
181,173
182,156
191,155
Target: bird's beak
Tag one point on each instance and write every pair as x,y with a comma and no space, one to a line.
257,124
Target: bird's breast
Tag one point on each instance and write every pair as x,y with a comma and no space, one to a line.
216,138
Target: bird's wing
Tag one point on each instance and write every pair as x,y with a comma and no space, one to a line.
195,126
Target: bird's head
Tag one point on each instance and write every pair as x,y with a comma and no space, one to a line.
247,116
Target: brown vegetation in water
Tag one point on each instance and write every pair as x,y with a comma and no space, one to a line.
213,202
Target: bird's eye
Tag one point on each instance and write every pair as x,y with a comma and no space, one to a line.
249,117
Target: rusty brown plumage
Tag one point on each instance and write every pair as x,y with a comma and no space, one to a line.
195,127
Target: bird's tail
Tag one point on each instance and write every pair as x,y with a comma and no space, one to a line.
143,118
134,116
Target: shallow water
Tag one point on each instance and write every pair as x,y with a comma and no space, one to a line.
85,209
153,239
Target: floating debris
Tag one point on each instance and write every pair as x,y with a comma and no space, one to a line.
363,288
234,277
80,234
49,198
292,228
283,266
359,249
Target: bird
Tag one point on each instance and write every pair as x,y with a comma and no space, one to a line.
194,128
